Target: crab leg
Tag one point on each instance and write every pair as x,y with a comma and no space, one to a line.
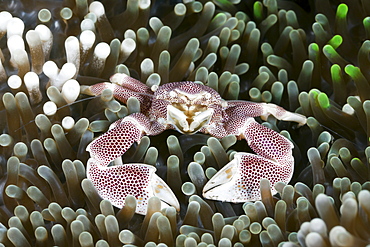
239,180
114,183
123,87
251,109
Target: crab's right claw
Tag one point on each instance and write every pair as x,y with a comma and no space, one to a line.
115,142
161,190
115,183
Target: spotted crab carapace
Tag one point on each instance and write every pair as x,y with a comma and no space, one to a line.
188,107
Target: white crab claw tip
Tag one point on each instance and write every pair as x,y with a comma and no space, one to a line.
302,121
86,90
164,192
295,117
223,186
223,176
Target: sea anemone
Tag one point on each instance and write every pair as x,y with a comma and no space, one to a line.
310,57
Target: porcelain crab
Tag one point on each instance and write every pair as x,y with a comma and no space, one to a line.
188,107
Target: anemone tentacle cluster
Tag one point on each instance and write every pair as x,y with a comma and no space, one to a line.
309,57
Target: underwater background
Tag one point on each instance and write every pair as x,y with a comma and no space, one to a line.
310,57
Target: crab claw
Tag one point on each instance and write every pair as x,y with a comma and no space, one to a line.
239,180
115,183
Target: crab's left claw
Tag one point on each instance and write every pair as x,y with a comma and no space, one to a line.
239,180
